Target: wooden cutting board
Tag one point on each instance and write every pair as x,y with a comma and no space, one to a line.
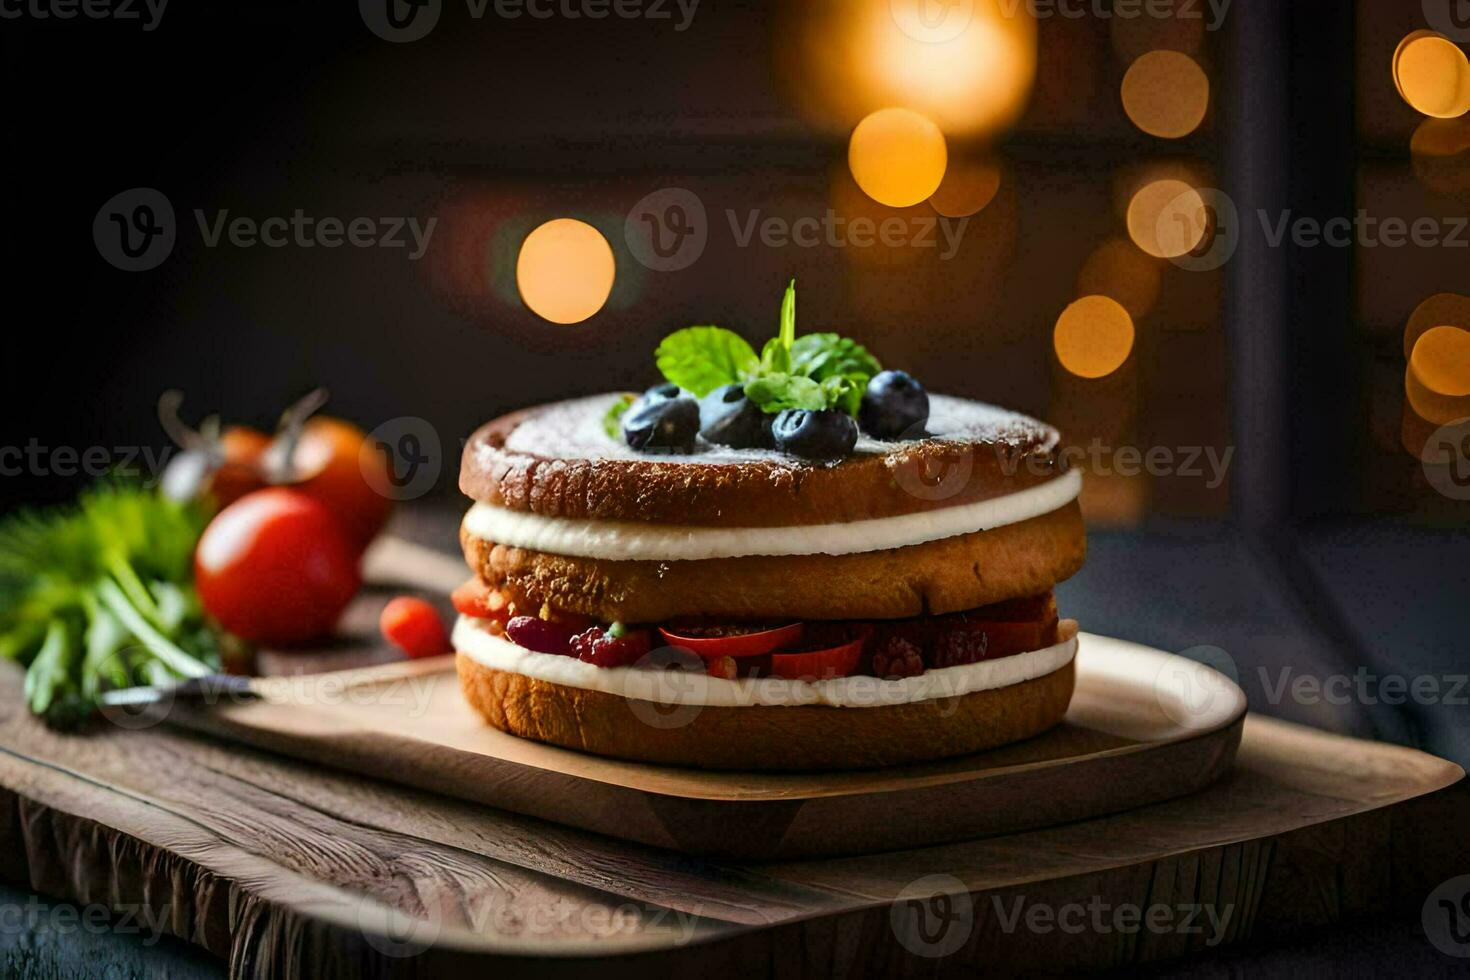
291,870
1144,726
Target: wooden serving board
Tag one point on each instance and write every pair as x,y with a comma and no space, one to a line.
289,870
1144,726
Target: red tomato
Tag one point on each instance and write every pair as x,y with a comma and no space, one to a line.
723,641
839,661
274,568
241,449
413,626
1006,639
333,463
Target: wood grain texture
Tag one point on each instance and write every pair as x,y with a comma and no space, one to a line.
286,870
1126,741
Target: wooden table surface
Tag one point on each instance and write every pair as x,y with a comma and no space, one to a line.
288,870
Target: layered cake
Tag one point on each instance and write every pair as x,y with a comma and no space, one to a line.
784,560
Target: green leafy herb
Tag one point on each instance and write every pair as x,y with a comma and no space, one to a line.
778,392
823,355
787,335
816,372
775,357
613,420
701,359
845,391
99,596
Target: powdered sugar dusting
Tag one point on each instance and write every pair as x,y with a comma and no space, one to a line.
573,430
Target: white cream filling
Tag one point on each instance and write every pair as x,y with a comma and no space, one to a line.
688,688
634,541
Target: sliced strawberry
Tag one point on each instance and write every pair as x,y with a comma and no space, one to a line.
475,598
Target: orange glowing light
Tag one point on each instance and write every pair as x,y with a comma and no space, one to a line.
565,271
1431,406
1441,361
1439,310
1118,269
897,157
1167,218
1093,337
1166,94
1432,75
968,187
1441,152
969,65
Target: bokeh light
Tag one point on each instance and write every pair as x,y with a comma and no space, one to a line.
1439,310
1093,337
1167,218
1118,269
1441,361
1166,94
1432,75
897,157
969,66
969,185
1441,152
1432,406
565,270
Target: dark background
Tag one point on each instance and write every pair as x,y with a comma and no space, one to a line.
1326,549
1326,553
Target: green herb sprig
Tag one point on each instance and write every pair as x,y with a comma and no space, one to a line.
101,596
817,371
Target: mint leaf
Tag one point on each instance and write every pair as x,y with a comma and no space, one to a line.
612,421
777,392
787,334
775,358
701,359
845,391
823,355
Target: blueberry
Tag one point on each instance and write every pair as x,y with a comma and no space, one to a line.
666,425
815,435
661,393
895,406
727,417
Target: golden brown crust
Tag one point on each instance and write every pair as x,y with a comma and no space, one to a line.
765,738
949,575
915,478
